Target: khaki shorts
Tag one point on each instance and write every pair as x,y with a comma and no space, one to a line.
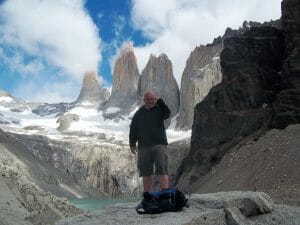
150,157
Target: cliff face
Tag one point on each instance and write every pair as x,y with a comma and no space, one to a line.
238,106
158,77
95,164
287,102
32,156
259,86
202,72
125,79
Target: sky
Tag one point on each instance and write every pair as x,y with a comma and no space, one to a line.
46,46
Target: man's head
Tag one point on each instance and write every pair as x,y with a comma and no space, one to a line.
149,99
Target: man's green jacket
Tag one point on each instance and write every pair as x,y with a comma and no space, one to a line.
147,126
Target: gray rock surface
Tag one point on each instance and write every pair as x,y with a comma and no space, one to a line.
287,102
21,200
158,77
177,152
224,208
202,71
45,109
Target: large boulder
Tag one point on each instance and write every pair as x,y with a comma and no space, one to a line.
65,121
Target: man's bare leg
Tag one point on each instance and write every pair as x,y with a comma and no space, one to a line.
164,181
147,183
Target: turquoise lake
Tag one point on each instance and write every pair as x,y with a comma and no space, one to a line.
94,204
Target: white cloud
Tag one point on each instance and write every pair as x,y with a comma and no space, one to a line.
48,92
118,26
16,63
176,27
60,31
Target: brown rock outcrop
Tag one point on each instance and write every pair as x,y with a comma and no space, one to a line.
125,79
91,90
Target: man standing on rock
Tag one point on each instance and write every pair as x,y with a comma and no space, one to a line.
147,128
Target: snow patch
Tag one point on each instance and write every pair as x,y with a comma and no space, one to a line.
91,122
112,110
6,99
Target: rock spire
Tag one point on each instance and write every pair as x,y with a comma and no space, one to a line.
91,90
158,77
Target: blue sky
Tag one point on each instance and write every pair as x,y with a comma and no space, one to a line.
47,45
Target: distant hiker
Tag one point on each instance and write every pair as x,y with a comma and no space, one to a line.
147,129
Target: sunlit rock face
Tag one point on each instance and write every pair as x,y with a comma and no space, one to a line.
202,72
158,77
91,90
125,79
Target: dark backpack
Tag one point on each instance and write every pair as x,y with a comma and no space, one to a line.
167,200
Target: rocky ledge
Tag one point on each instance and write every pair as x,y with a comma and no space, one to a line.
223,208
22,202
